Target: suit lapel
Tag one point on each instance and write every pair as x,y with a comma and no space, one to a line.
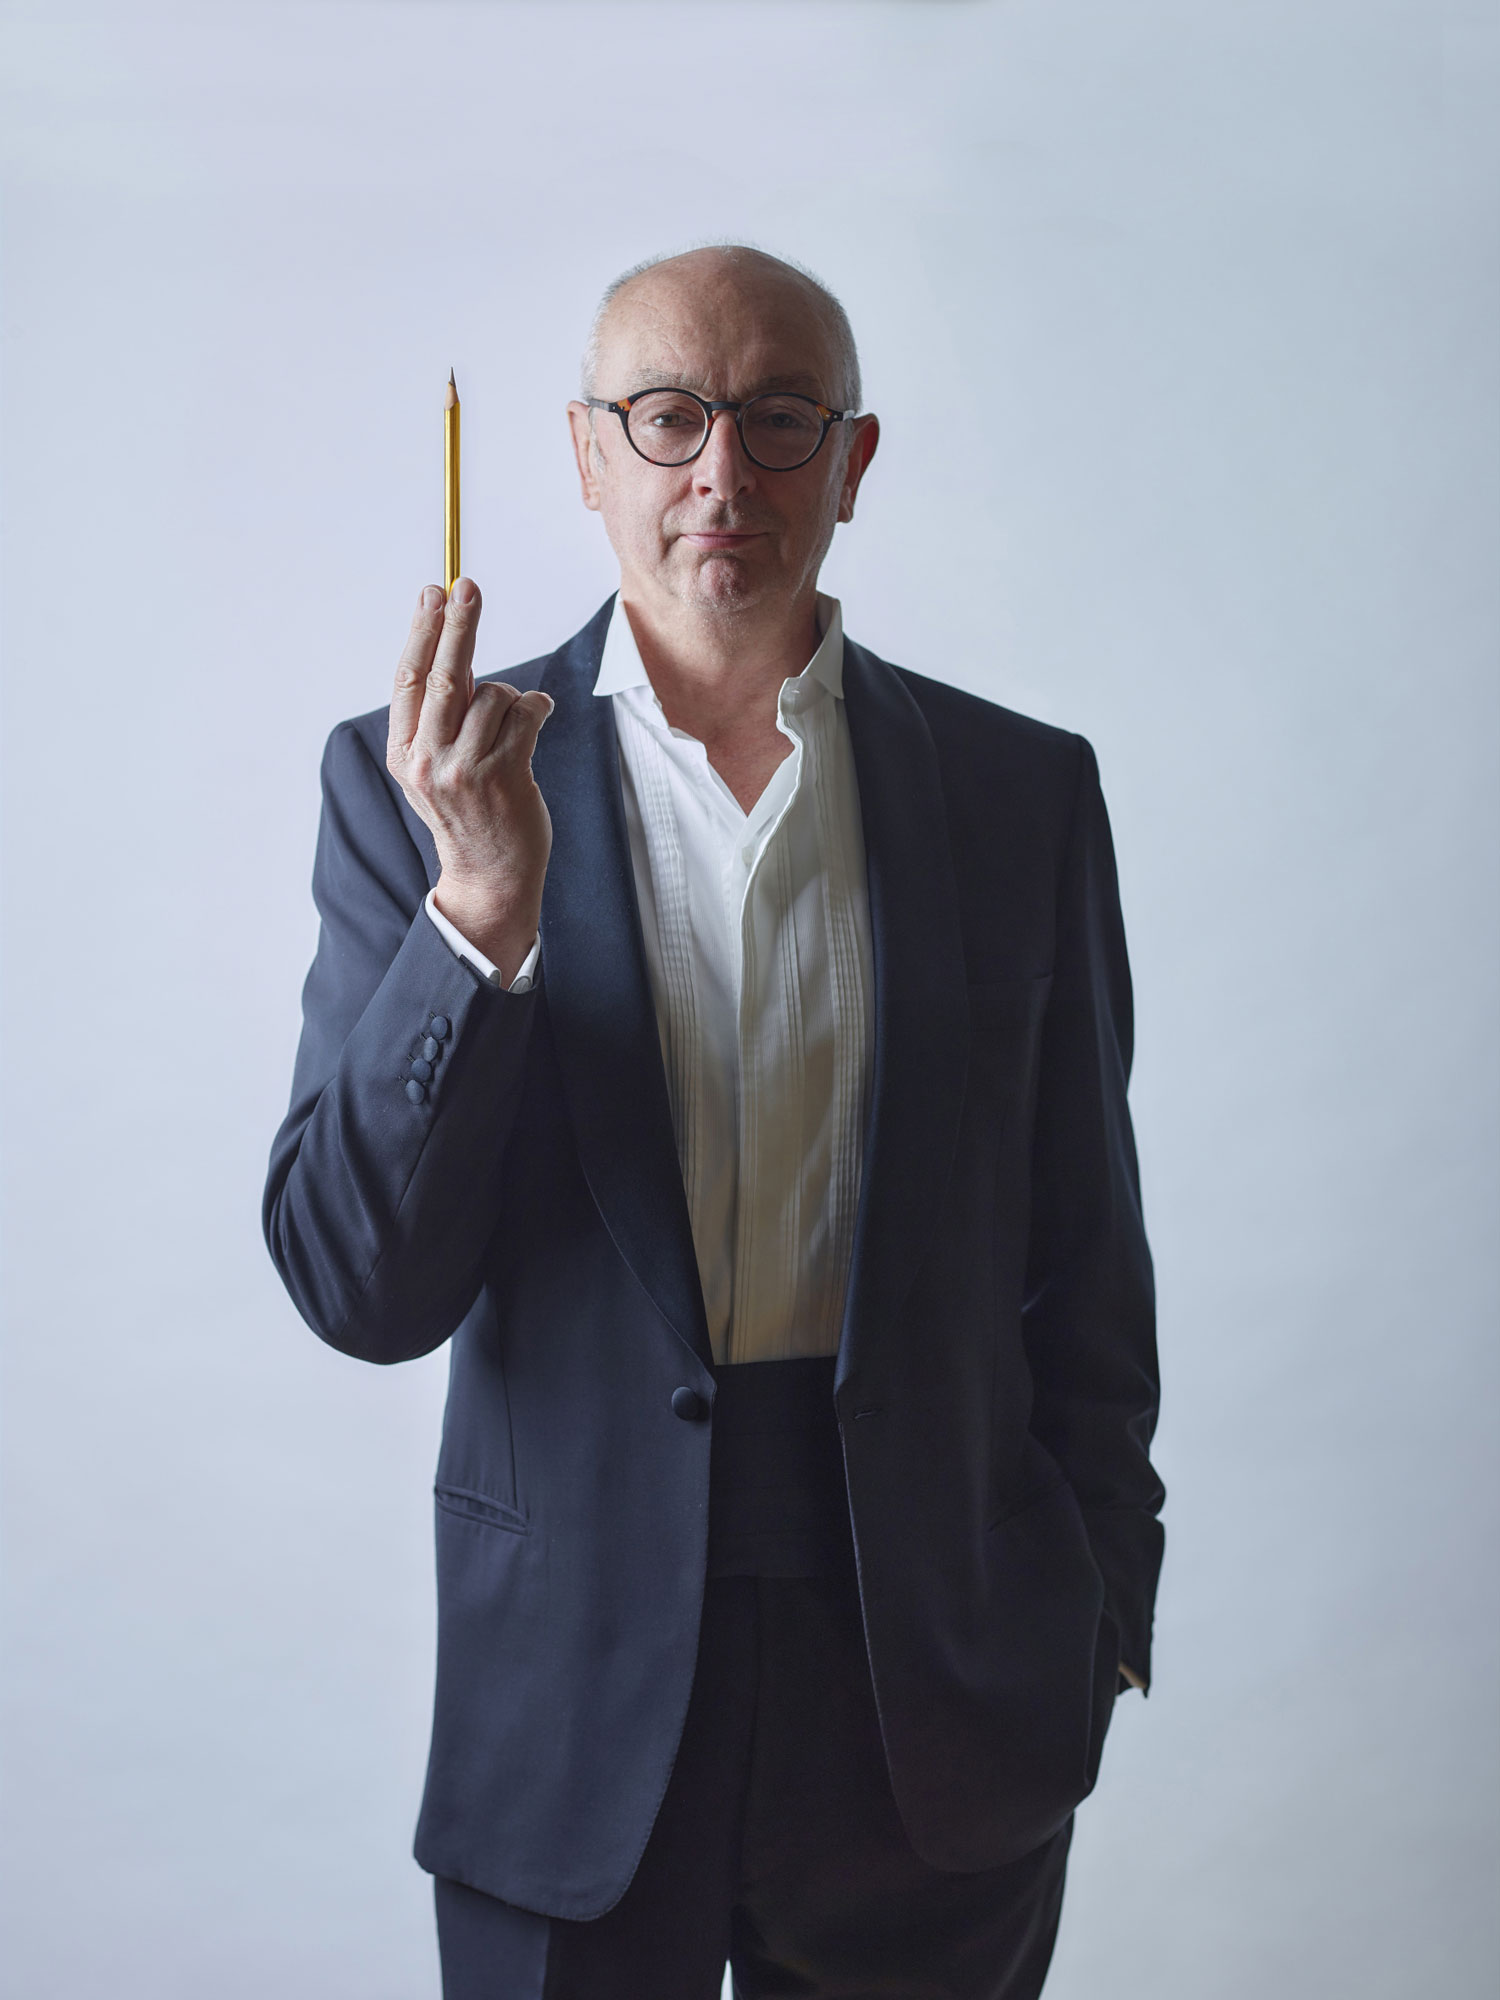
921,1002
598,995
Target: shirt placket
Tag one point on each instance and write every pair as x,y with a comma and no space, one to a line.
768,1093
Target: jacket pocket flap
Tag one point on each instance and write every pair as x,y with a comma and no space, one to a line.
481,1507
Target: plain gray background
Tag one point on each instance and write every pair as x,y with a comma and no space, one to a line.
1182,321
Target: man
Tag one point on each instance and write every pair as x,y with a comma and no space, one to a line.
723,1036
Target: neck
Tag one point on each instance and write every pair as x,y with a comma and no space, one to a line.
722,670
717,677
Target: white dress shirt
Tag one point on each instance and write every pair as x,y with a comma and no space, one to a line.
757,936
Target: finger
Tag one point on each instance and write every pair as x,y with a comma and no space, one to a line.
412,667
446,700
522,726
492,702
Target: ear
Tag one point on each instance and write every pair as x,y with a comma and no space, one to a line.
579,415
861,450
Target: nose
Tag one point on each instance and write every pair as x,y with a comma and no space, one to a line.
721,469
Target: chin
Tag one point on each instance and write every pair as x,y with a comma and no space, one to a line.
724,582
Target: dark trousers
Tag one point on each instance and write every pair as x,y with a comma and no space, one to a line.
778,1846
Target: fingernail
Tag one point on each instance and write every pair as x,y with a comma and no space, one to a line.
463,591
432,598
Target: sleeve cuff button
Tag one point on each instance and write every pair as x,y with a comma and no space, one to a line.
415,1091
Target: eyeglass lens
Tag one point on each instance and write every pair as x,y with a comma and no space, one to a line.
779,431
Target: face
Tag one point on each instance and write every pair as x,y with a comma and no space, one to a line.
721,536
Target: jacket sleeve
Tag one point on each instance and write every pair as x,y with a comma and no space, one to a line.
383,1187
1089,1318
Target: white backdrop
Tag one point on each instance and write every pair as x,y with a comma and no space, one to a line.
1181,316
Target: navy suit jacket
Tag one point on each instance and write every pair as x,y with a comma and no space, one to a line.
996,1384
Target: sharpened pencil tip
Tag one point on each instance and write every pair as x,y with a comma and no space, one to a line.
450,394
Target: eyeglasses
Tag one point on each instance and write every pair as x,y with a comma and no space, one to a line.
671,426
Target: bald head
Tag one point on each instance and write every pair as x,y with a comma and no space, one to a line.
646,308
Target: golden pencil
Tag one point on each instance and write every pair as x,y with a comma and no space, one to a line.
450,483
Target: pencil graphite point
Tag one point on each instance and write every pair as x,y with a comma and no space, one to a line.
450,394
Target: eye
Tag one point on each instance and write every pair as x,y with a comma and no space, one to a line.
783,415
666,426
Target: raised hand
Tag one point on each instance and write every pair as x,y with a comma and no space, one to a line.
462,755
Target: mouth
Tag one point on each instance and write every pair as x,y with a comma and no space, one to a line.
721,539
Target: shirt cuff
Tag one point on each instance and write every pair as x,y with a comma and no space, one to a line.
459,945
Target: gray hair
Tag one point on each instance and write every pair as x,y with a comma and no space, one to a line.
838,319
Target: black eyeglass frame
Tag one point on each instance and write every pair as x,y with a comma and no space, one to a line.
827,417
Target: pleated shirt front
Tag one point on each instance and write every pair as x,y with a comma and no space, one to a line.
757,936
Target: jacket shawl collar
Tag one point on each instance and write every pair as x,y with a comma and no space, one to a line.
598,995
921,998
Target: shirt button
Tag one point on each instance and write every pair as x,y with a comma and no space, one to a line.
687,1404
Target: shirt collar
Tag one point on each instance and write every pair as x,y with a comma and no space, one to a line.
621,667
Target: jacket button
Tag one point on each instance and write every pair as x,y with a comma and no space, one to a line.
688,1404
441,1026
431,1050
415,1091
422,1071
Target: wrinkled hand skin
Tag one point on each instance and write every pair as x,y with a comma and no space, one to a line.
462,755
